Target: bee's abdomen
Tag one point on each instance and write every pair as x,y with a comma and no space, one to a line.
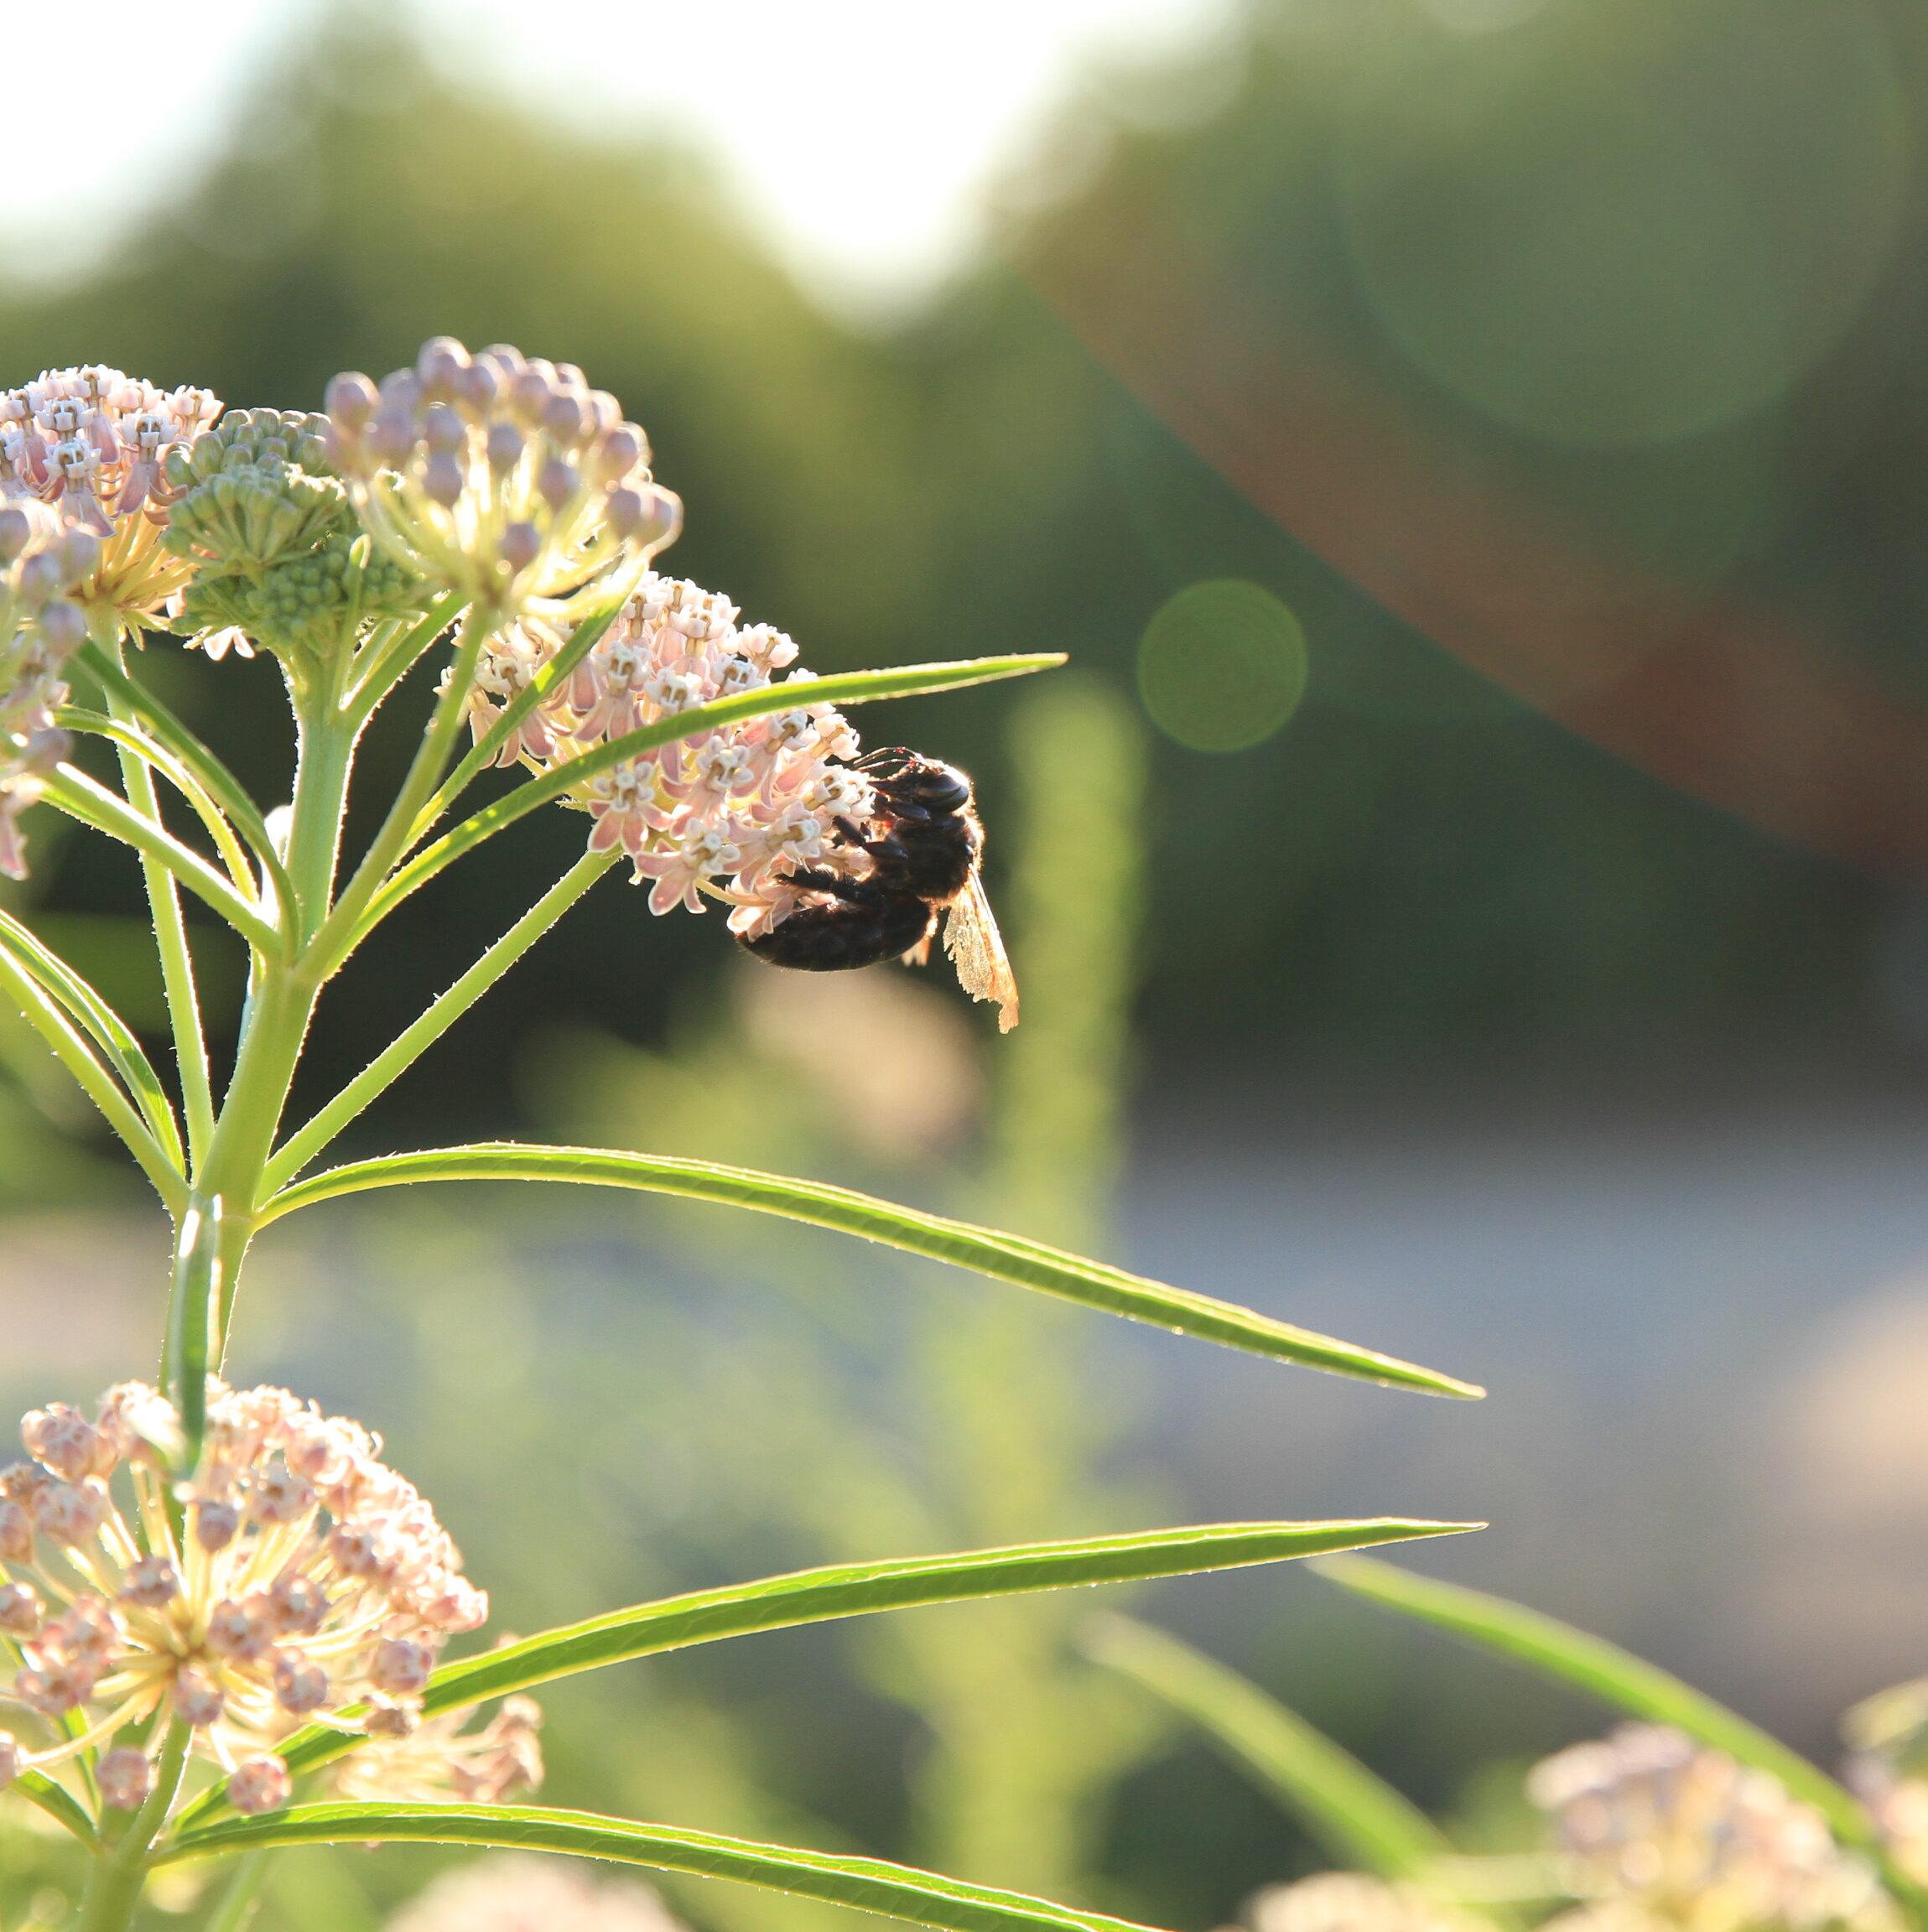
840,938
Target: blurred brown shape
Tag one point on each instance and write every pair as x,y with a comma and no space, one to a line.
1726,701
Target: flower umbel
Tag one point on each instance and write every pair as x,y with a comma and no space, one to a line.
305,1578
94,443
1663,1832
507,479
729,811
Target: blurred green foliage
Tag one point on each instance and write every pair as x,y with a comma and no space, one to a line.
1417,864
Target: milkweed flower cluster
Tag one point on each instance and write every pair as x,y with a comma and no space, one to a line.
1350,1902
295,1578
94,443
514,1892
1658,1831
732,810
507,479
41,562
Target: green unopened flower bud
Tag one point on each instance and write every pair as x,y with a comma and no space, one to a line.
255,491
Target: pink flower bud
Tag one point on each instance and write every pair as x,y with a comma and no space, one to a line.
401,1667
531,392
198,1699
20,1609
618,453
298,1605
152,1583
124,1777
15,530
16,1533
241,1627
259,1785
443,480
42,578
299,1688
443,431
66,1513
53,1690
563,418
557,483
80,551
392,436
58,1435
505,448
215,1524
63,626
522,544
440,365
12,1759
476,388
280,1496
350,400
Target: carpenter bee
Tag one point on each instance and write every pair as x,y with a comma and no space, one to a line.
923,843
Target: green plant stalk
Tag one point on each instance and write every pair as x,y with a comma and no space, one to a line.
239,1896
121,1865
380,1073
170,937
345,923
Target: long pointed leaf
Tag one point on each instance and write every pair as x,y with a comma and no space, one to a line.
1004,1256
854,1590
840,688
37,1788
1604,1671
114,1036
868,1884
1357,1815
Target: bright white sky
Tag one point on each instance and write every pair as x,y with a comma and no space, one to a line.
860,133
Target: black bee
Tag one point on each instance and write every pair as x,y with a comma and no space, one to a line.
924,842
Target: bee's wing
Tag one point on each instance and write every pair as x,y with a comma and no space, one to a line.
972,939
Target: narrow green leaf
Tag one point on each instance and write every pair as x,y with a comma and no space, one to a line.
853,1590
1004,1256
37,1788
867,1884
1604,1671
77,795
111,1033
842,688
1357,1815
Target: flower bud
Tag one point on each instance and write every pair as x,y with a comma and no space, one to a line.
299,1688
15,532
401,1667
20,1609
439,366
350,400
198,1699
386,1718
126,1779
41,577
401,391
16,1533
12,1759
66,1513
215,1524
618,453
443,431
241,1627
442,479
505,448
298,1603
648,517
63,625
153,1582
563,419
476,388
531,392
259,1785
80,551
522,544
392,436
557,483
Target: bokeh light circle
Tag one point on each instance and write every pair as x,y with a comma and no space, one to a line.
1618,227
1222,665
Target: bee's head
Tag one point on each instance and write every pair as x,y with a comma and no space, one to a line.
907,778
